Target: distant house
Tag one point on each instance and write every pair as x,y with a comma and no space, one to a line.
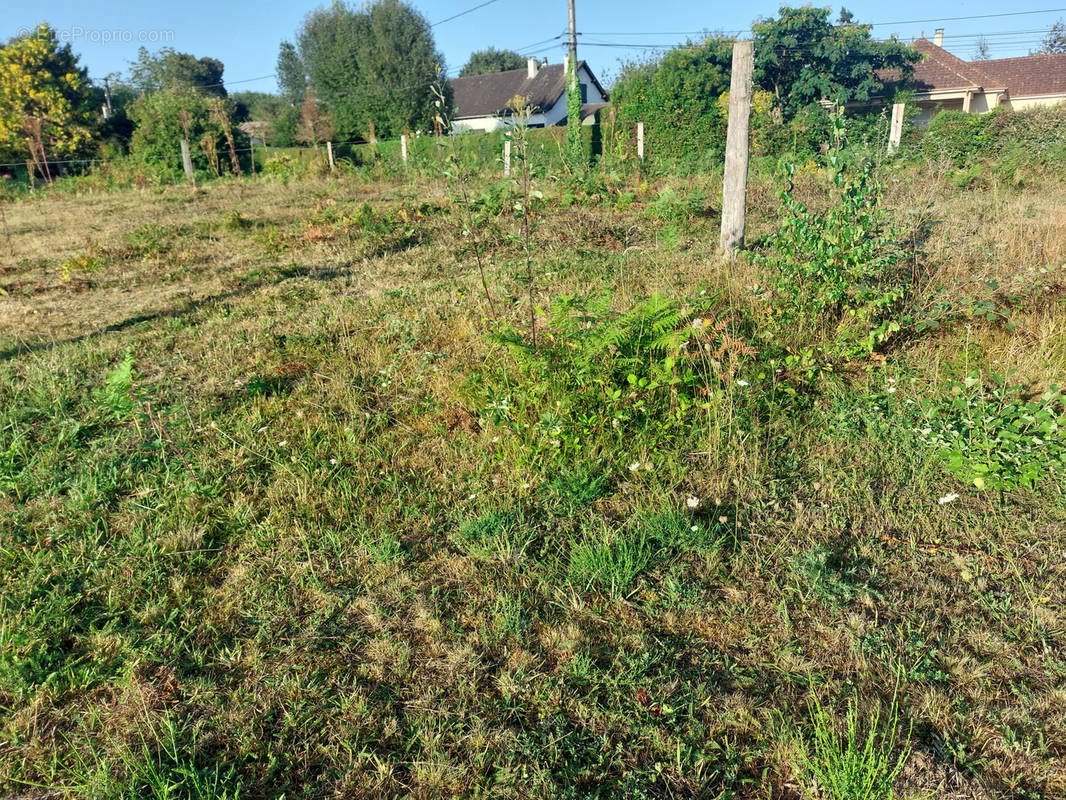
481,100
945,81
256,130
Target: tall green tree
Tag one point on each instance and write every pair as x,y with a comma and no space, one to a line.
491,60
169,69
375,64
676,96
45,101
802,57
292,76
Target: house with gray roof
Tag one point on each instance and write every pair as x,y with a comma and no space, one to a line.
482,101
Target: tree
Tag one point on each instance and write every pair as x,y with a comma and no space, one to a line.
374,65
292,77
169,69
676,96
259,106
1055,41
45,101
490,60
981,53
315,126
161,119
802,57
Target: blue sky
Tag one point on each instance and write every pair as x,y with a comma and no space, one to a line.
245,37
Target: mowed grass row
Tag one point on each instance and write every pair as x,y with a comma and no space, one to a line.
281,515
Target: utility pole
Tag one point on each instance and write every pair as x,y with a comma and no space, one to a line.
575,158
573,35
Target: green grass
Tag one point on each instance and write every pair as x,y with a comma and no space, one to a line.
280,516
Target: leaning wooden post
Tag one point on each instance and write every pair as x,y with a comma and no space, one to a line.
895,133
329,154
403,148
186,161
640,140
735,185
251,144
186,155
507,158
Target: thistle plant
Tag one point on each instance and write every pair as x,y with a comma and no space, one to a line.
518,133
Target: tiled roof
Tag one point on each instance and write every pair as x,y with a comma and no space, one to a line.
941,70
1030,75
487,95
1026,76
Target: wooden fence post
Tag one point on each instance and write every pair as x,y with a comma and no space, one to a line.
403,148
507,158
895,133
734,187
251,144
640,140
329,154
186,161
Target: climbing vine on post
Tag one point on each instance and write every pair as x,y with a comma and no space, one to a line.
574,154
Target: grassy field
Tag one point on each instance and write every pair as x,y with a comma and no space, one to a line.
289,508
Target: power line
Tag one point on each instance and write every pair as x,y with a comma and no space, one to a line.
463,13
973,16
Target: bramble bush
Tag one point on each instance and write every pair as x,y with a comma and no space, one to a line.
601,379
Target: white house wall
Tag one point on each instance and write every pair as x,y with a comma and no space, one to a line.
545,119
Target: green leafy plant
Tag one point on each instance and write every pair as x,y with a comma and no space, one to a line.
80,263
845,764
601,377
116,395
839,277
996,435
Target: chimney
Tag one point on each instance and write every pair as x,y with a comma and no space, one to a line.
938,37
531,67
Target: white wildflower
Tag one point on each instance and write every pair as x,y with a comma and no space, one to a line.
743,382
282,443
333,461
695,528
634,466
948,498
693,502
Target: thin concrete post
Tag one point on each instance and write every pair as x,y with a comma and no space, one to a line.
640,140
895,133
507,158
735,185
329,155
403,148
